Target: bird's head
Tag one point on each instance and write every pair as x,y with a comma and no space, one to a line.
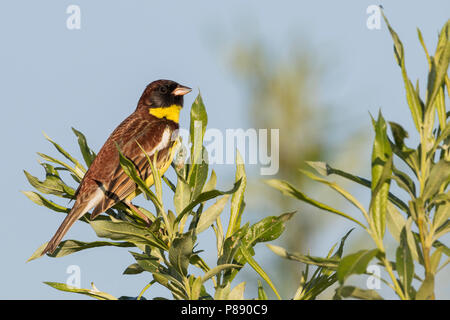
163,94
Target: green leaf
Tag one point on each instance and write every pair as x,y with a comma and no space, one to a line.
199,120
155,173
237,200
40,200
89,292
413,241
231,245
435,260
381,173
354,292
321,167
404,182
237,293
442,137
338,189
146,262
340,250
196,287
249,259
395,221
328,263
439,177
77,172
229,252
181,251
52,183
71,246
268,229
211,184
222,292
210,215
426,290
437,244
261,293
439,65
408,155
318,283
197,261
366,183
38,253
169,183
66,154
88,154
198,172
182,195
440,107
399,134
412,96
442,230
422,42
442,214
205,196
130,170
289,190
404,263
176,287
355,263
126,231
216,270
134,268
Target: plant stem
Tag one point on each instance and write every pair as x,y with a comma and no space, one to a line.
398,290
425,251
387,264
145,289
420,209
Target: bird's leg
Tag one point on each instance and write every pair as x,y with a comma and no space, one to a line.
139,213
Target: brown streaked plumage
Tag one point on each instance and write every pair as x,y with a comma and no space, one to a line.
105,183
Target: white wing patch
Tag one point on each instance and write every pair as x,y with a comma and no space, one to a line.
165,139
96,199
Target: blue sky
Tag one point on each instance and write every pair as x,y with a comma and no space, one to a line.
53,78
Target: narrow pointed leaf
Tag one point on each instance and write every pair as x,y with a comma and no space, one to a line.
249,259
89,292
289,190
210,215
355,263
87,153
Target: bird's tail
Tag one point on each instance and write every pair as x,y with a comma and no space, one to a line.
77,212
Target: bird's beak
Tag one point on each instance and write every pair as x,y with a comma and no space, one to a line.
181,90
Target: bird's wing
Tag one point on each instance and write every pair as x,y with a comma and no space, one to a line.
156,135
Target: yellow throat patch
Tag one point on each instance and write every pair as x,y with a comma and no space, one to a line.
170,113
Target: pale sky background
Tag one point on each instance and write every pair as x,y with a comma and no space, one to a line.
53,78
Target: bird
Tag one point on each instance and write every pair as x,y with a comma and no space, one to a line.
153,128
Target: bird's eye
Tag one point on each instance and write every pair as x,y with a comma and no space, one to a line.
163,89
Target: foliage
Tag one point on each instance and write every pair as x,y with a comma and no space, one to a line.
166,249
416,222
281,91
